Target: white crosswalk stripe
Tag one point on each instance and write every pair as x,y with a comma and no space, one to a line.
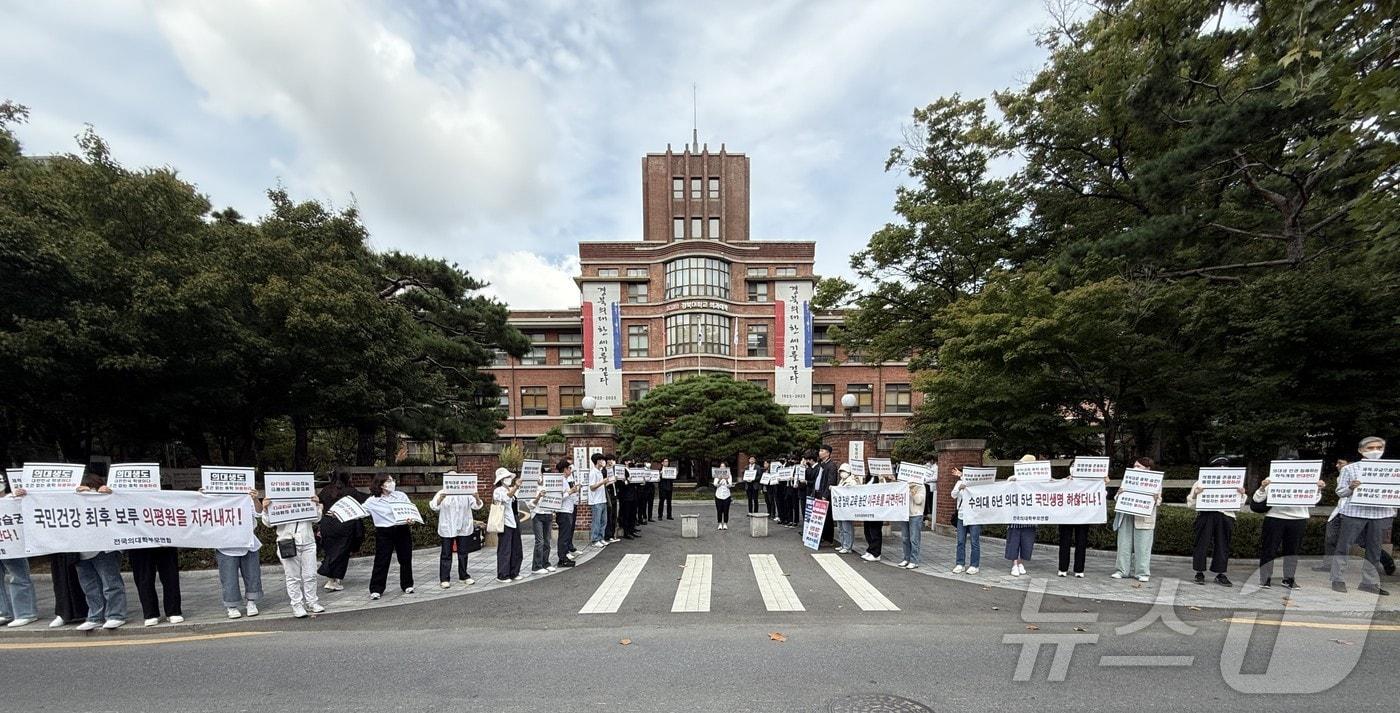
607,599
864,594
777,592
693,593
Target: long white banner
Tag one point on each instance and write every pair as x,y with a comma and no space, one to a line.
87,522
877,502
792,353
602,343
11,529
1072,501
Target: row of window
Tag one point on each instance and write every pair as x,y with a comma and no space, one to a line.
697,186
899,398
643,272
699,333
534,400
700,228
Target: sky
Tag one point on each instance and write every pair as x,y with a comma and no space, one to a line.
499,134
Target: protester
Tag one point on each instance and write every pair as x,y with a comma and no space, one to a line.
241,563
146,564
564,520
17,599
392,539
664,492
612,491
455,528
873,530
798,500
824,474
100,575
1213,529
751,486
913,527
967,534
508,553
1284,526
69,603
723,499
646,512
1020,539
339,539
598,500
1073,539
1360,522
770,497
542,526
1135,533
846,529
300,568
627,502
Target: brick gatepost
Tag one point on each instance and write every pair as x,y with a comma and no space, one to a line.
482,459
953,453
840,432
586,436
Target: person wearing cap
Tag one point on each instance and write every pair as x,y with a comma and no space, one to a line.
1213,530
1360,522
509,555
845,529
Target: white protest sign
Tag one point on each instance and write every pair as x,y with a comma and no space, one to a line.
750,474
814,522
553,483
636,475
347,509
529,486
51,477
653,475
11,529
876,502
581,457
720,472
134,476
1221,478
668,473
1017,502
86,522
289,486
1291,494
1033,472
1089,467
1219,499
880,467
1295,471
460,484
1378,472
857,469
855,451
1131,503
917,473
1384,495
551,502
12,478
406,513
1137,480
283,512
531,468
223,480
978,475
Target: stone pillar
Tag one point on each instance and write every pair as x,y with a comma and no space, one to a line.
586,436
953,453
482,459
840,432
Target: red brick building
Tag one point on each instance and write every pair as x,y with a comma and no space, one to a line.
696,296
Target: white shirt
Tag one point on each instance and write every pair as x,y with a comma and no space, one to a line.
502,496
1282,512
380,509
454,514
599,495
722,489
570,499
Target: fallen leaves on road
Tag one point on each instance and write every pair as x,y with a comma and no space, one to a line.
626,642
775,636
1032,627
1080,628
1194,608
996,608
1343,642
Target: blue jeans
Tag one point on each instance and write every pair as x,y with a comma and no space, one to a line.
17,594
966,532
230,568
846,533
913,536
101,579
600,522
540,524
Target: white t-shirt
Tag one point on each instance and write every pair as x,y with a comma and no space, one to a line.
502,496
570,499
722,489
599,495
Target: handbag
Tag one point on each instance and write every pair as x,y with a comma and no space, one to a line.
472,543
496,520
286,549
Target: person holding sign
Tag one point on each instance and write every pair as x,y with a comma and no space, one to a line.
508,553
845,529
241,563
913,527
1213,529
542,526
598,500
17,600
1135,534
339,539
965,532
1284,525
296,549
564,520
751,487
874,537
100,574
146,564
1020,539
1360,522
392,538
455,528
664,491
723,498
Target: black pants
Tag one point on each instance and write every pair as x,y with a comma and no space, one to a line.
663,502
611,526
395,541
69,601
1213,531
629,516
1276,532
508,554
643,500
649,502
751,494
146,563
565,522
1076,536
445,558
768,500
339,540
722,509
799,505
873,536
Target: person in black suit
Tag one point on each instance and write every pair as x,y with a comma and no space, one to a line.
627,493
824,475
663,493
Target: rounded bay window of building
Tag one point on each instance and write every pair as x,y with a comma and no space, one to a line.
697,277
698,333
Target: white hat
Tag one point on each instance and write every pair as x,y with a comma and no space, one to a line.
502,474
1027,458
845,468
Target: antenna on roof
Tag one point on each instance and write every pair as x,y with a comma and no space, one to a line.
694,112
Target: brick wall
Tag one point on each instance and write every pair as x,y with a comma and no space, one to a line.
954,453
587,435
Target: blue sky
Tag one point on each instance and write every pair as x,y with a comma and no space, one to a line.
499,134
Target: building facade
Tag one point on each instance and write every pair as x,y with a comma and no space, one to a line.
695,295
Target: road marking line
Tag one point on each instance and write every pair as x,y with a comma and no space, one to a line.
1314,624
693,593
607,599
862,592
130,642
777,591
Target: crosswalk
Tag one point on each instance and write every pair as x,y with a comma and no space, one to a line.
696,583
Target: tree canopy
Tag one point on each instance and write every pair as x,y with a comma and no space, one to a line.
709,417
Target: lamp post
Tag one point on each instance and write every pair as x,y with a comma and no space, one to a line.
589,403
848,402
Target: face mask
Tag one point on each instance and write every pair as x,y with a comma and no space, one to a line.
506,481
1372,455
388,487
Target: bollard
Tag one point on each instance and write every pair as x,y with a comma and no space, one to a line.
758,525
690,525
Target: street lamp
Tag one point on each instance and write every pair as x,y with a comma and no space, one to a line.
589,403
848,402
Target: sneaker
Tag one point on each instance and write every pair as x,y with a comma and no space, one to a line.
1266,584
57,622
1223,581
903,563
1290,584
374,596
4,620
869,557
503,579
1142,578
567,563
1061,574
88,626
233,613
719,527
22,621
1116,575
176,619
572,555
408,590
298,611
469,580
334,585
551,569
1079,575
958,569
973,570
152,622
1373,589
114,623
317,608
1200,578
1339,587
252,608
445,585
515,579
541,570
912,565
1015,570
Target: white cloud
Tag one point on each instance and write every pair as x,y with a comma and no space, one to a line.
525,280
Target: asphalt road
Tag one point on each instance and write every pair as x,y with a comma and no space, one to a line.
527,648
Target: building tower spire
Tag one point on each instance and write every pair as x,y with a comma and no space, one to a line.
694,124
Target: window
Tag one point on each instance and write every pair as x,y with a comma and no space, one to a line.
677,188
758,340
504,402
534,357
714,229
760,383
758,272
714,189
786,272
534,401
854,357
823,398
636,272
571,356
820,334
636,292
696,225
697,277
638,345
823,353
701,333
865,397
571,337
537,337
570,400
637,390
898,398
695,188
758,292
499,357
678,228
607,272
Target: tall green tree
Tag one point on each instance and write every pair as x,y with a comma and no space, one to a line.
710,417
